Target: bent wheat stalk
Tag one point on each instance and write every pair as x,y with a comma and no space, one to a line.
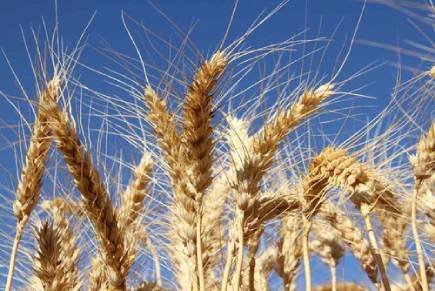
28,189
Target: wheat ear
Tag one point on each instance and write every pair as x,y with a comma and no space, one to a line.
56,263
328,247
182,227
352,236
96,201
424,168
264,147
365,188
28,189
290,251
197,137
264,266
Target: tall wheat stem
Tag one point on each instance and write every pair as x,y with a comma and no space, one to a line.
365,210
227,267
18,234
418,248
306,255
199,254
334,277
239,261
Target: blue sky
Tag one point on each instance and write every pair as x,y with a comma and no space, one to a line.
379,24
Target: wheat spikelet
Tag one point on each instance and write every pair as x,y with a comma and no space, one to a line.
326,245
69,251
133,197
432,72
63,206
144,237
96,201
352,236
266,142
148,286
97,278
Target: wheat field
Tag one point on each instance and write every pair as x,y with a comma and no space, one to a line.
201,171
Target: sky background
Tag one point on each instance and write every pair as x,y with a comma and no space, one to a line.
380,24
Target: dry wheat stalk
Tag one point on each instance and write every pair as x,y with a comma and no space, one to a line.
96,201
29,185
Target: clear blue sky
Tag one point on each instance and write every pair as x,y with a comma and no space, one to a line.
379,24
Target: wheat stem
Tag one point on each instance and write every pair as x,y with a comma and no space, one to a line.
227,268
240,251
305,251
333,269
17,239
418,248
365,210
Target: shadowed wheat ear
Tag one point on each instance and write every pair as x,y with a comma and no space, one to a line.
56,263
352,236
424,169
260,157
329,248
369,191
28,189
96,201
290,251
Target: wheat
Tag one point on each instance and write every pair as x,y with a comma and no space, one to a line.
29,185
352,236
424,169
96,201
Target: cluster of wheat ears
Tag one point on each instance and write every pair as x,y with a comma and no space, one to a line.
219,209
